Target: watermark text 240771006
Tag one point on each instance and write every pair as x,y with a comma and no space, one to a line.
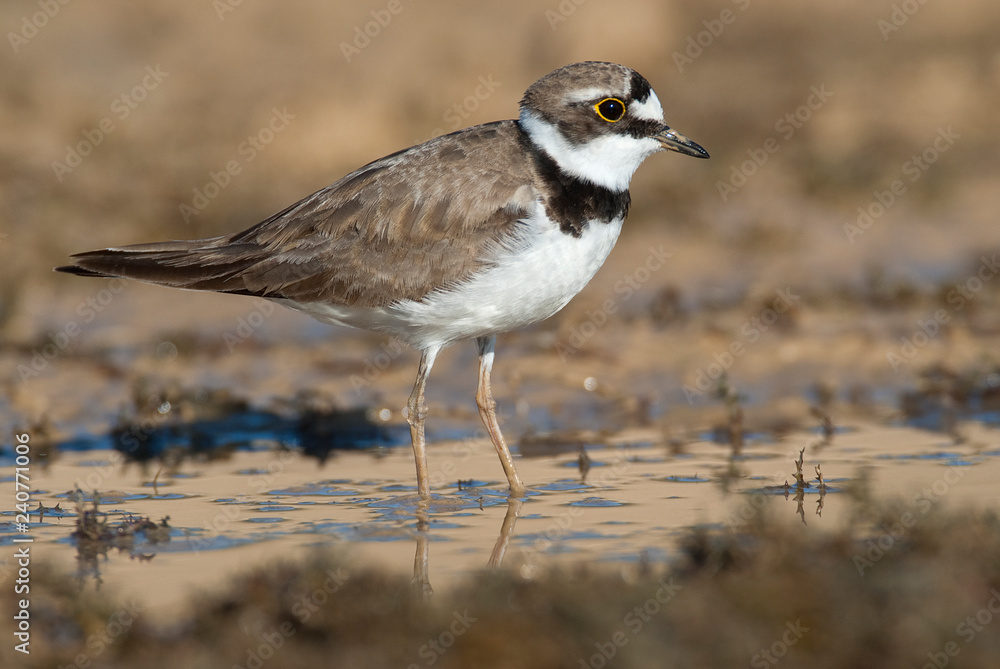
22,584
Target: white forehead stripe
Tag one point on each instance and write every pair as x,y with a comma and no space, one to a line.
650,110
585,94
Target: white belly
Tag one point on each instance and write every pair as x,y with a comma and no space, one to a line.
526,285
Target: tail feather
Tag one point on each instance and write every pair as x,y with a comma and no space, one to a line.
199,264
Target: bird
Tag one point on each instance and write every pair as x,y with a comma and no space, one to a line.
465,236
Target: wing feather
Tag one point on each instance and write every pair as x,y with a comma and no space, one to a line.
393,230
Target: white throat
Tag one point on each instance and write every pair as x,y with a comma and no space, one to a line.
608,161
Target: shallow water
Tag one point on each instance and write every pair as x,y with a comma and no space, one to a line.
636,501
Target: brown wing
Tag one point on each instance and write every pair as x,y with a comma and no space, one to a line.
393,230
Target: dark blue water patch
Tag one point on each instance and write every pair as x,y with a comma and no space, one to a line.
53,512
317,434
683,479
938,455
94,463
397,487
86,442
563,486
141,546
169,496
407,505
189,543
472,484
486,497
952,400
334,528
266,520
837,429
989,417
962,462
596,502
321,489
364,501
353,532
273,508
104,497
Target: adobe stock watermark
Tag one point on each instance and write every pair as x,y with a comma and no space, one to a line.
901,13
260,481
456,116
224,7
750,332
364,34
214,527
786,127
968,629
928,328
564,10
634,621
246,152
767,657
119,623
879,546
274,638
59,340
431,651
912,169
247,325
30,25
446,470
696,44
559,525
624,289
378,363
121,108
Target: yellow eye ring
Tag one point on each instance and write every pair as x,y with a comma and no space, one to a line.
610,109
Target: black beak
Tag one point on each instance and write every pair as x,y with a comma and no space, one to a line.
674,141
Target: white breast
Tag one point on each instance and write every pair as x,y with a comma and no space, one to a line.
529,282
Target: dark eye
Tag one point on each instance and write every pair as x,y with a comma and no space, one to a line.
610,109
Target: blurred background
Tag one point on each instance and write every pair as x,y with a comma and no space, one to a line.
829,293
854,166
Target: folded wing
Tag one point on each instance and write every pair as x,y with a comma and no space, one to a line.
393,230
